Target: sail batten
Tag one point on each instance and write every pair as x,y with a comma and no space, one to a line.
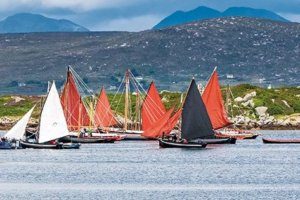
195,119
104,116
152,108
18,130
213,100
53,123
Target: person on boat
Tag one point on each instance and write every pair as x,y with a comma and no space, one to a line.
174,138
82,132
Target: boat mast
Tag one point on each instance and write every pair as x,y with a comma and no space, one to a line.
138,111
126,99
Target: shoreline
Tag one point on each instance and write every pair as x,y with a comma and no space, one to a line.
7,126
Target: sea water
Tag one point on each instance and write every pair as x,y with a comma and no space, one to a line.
141,170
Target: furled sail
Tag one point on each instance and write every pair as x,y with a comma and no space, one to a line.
156,130
195,119
104,116
152,108
53,123
212,98
74,110
18,130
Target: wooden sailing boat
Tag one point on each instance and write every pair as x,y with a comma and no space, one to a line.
155,119
196,128
16,133
52,125
281,141
78,117
213,100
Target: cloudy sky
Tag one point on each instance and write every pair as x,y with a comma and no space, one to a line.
133,15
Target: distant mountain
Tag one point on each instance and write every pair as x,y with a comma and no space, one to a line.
202,12
244,49
27,22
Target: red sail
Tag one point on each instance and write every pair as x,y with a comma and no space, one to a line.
104,116
172,122
212,98
156,129
74,110
152,108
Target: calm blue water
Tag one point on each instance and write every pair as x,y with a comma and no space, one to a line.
140,170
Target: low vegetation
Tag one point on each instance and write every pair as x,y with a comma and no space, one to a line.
280,101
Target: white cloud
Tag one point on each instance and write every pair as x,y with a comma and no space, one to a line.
76,5
291,17
129,24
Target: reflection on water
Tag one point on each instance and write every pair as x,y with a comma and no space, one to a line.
140,170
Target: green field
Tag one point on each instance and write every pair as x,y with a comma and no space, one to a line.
271,98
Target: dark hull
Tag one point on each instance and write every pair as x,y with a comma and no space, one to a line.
170,144
281,141
26,145
85,140
220,141
5,146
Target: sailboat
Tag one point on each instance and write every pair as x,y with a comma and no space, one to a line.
196,128
16,133
79,119
213,100
52,125
281,141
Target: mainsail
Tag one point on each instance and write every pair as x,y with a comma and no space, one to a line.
18,130
152,108
212,98
104,116
157,128
52,122
74,109
195,119
172,122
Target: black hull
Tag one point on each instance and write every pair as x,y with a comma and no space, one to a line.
220,141
170,144
281,141
26,145
85,140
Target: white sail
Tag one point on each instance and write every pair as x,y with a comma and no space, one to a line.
18,130
53,123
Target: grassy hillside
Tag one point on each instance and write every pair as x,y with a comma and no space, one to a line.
14,107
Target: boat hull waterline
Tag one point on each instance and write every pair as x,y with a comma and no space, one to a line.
170,144
26,145
85,140
281,141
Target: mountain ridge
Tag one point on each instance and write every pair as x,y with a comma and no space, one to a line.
203,12
28,22
246,50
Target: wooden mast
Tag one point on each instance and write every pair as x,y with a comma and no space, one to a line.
126,99
138,111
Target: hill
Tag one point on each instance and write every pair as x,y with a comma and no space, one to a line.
202,12
260,52
27,22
